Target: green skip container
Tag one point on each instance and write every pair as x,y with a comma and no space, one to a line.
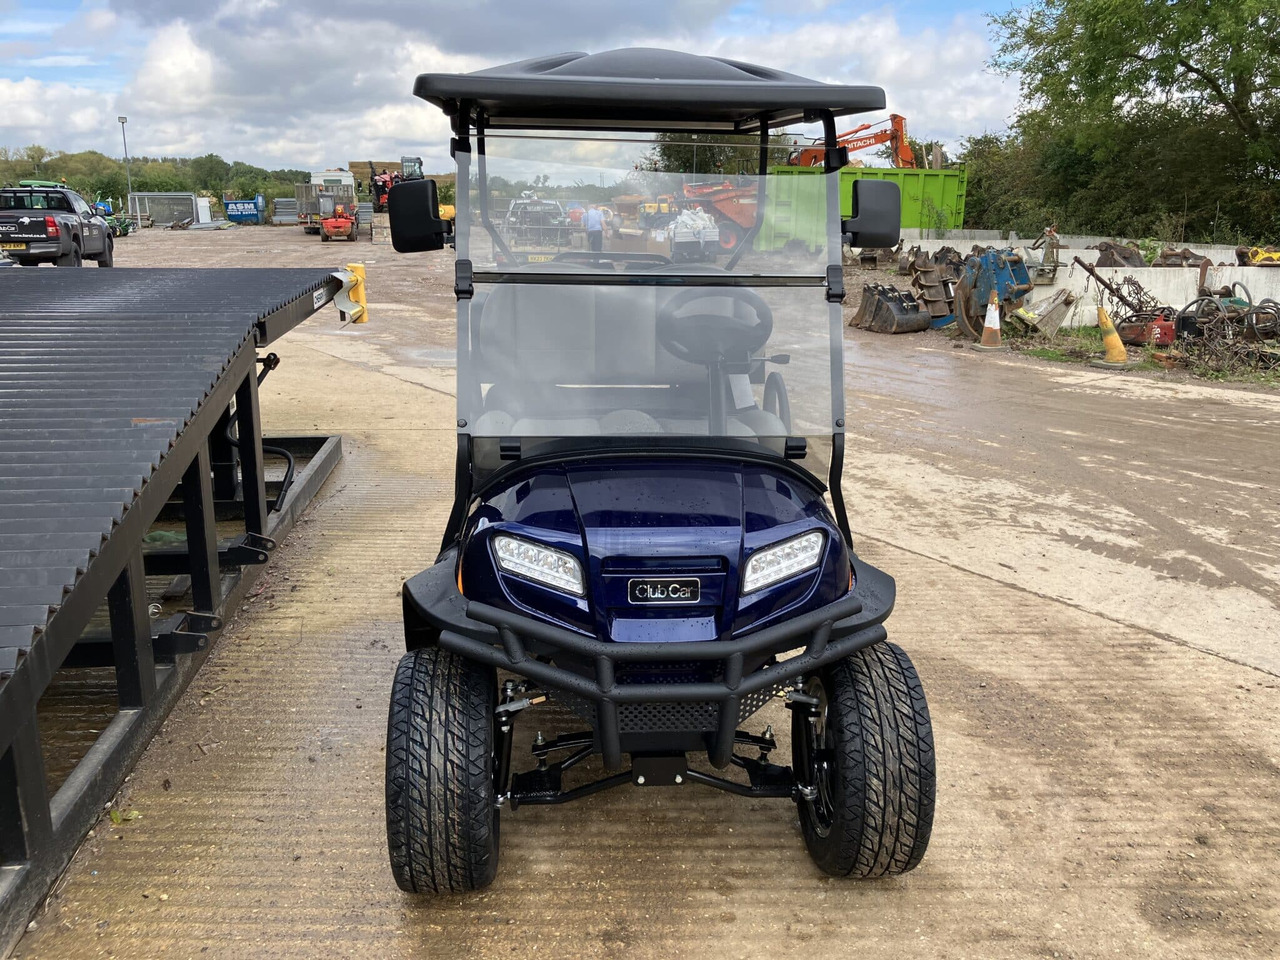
931,200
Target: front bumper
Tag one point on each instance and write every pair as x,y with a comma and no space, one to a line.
584,670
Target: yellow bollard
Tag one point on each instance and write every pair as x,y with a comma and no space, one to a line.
357,294
990,328
1116,357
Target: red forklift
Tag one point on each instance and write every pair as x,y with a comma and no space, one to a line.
338,220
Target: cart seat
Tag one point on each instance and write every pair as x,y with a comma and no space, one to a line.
565,334
565,360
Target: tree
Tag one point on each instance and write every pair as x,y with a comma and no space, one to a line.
712,154
210,172
922,150
1139,118
1081,60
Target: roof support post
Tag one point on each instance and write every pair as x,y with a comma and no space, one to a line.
763,171
832,159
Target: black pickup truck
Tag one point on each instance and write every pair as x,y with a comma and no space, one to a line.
52,224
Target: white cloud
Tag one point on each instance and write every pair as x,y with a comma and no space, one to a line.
52,114
936,79
28,28
61,60
97,21
176,76
282,85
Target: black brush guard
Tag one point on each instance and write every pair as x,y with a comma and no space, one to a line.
435,613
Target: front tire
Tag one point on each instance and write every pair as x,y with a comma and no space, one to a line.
730,236
442,815
872,763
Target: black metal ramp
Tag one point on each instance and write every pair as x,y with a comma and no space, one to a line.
277,299
120,394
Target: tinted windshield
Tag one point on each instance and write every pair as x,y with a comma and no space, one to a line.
646,289
22,200
645,205
588,359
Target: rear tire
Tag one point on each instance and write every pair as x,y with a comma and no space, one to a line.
108,256
442,815
72,259
873,766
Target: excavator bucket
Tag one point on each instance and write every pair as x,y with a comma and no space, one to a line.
933,284
886,309
1118,255
863,312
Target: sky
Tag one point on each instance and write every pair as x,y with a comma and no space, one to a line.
312,84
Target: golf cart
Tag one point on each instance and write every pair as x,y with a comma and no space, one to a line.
640,535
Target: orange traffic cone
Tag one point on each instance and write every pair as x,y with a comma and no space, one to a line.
1116,357
990,328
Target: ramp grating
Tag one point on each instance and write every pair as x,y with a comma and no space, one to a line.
119,390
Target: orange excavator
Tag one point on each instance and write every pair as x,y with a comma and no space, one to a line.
859,139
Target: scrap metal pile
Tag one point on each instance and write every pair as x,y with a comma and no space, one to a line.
1112,253
1258,256
1223,328
948,287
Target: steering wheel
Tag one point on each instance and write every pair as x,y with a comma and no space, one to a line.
707,338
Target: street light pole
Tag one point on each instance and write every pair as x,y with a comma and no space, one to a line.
127,174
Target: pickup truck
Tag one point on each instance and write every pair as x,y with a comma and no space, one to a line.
49,223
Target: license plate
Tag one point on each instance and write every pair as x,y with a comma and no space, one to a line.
13,246
664,590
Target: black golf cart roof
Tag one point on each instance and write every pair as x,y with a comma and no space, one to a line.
640,88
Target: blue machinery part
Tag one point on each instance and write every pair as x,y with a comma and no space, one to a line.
1000,270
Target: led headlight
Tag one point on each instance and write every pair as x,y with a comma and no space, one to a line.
783,560
551,568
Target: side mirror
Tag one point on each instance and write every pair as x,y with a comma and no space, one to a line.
877,214
414,210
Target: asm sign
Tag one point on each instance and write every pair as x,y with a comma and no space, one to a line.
243,211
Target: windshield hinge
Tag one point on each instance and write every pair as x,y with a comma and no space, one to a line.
463,288
835,284
795,448
459,145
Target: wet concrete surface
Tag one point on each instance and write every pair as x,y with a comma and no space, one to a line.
1086,576
1150,500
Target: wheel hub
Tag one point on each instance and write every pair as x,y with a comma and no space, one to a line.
820,798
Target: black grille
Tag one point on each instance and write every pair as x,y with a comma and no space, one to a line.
686,672
701,716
